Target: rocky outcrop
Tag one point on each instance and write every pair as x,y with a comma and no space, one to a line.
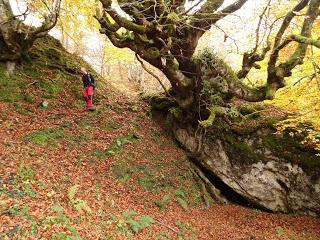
259,166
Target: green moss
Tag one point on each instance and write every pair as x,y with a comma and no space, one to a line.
48,70
214,111
51,89
174,17
291,149
250,108
169,122
11,87
21,109
185,103
9,95
46,136
176,112
250,123
216,99
240,150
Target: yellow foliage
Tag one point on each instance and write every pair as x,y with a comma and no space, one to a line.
302,98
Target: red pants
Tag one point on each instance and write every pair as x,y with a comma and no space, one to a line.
88,96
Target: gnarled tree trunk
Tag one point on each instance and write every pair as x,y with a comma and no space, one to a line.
166,34
16,38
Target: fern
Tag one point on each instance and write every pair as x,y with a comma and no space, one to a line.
136,225
163,203
182,203
57,208
78,204
81,206
180,193
72,192
140,224
129,213
146,221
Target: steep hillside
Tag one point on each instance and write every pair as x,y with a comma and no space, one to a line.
66,173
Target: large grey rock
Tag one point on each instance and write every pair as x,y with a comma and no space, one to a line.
270,181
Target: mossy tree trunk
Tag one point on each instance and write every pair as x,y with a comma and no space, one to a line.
204,89
16,38
166,34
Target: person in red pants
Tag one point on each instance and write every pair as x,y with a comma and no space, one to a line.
88,88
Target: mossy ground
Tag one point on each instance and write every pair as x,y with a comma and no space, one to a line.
49,73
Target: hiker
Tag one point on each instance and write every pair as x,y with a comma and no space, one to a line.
89,85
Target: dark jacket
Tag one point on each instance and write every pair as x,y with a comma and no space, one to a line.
87,80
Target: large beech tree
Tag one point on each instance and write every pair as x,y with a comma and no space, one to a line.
165,34
16,38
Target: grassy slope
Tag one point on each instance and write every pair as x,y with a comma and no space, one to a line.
69,174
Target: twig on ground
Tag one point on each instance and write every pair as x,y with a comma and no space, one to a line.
167,226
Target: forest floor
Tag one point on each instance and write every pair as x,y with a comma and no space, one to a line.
66,173
112,174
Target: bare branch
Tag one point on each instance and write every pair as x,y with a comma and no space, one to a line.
206,20
49,22
277,74
259,24
251,58
152,74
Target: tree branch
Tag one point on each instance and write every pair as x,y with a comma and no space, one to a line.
206,20
122,21
285,24
152,74
277,74
49,22
250,58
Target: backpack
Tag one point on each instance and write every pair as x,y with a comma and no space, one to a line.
92,80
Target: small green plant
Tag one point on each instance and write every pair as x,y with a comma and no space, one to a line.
147,181
163,236
78,204
180,193
130,224
34,229
51,89
185,231
64,236
180,196
57,208
16,210
119,143
112,125
61,219
162,204
21,109
26,173
182,203
280,230
27,190
99,154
